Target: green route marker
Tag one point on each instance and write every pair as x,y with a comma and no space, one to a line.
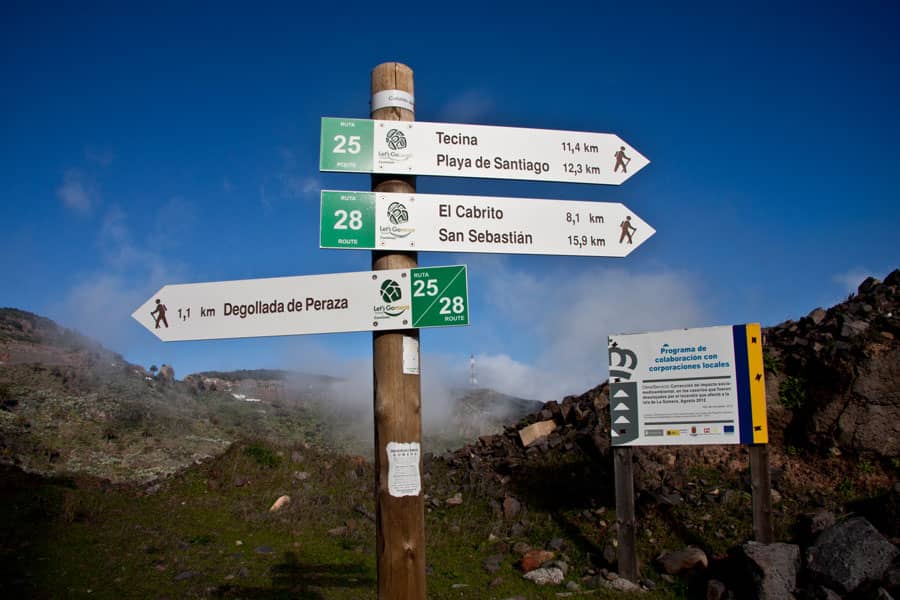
440,296
346,145
348,220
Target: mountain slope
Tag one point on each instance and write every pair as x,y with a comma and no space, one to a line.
69,405
833,377
208,530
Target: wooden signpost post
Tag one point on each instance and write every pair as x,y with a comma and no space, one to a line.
761,491
399,507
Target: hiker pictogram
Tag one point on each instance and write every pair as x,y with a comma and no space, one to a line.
627,230
621,160
159,314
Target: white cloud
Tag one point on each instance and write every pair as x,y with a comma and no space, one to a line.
264,197
568,316
297,186
101,302
101,156
99,307
114,229
78,192
505,374
351,396
470,106
289,181
850,280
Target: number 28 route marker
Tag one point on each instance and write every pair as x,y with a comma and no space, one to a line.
459,150
429,222
364,301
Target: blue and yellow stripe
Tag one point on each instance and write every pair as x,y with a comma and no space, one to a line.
751,383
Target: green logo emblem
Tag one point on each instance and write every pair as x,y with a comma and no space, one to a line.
390,291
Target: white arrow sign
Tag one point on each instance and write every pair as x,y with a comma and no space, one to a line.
459,150
366,301
369,220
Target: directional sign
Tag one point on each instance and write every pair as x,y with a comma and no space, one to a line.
370,220
366,301
418,148
688,386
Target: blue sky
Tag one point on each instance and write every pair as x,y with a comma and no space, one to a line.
168,146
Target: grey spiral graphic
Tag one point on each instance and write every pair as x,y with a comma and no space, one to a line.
397,213
395,139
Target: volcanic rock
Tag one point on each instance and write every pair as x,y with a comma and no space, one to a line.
849,554
536,431
535,558
455,500
511,508
773,568
680,561
493,563
842,388
715,590
549,576
167,373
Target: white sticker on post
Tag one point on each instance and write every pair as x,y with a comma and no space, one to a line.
410,355
403,469
393,98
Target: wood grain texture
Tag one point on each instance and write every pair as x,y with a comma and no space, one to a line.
626,537
399,522
761,488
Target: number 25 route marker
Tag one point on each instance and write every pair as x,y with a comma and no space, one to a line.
429,222
363,301
459,150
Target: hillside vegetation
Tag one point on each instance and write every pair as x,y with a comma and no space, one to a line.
197,520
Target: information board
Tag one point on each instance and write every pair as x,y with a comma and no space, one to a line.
688,386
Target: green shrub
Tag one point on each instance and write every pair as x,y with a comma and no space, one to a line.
7,401
792,393
846,488
201,540
771,363
262,455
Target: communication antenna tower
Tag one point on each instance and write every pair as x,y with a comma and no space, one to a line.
472,379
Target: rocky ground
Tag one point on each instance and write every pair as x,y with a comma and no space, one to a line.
528,512
833,393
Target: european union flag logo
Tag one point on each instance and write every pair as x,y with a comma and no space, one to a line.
729,429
